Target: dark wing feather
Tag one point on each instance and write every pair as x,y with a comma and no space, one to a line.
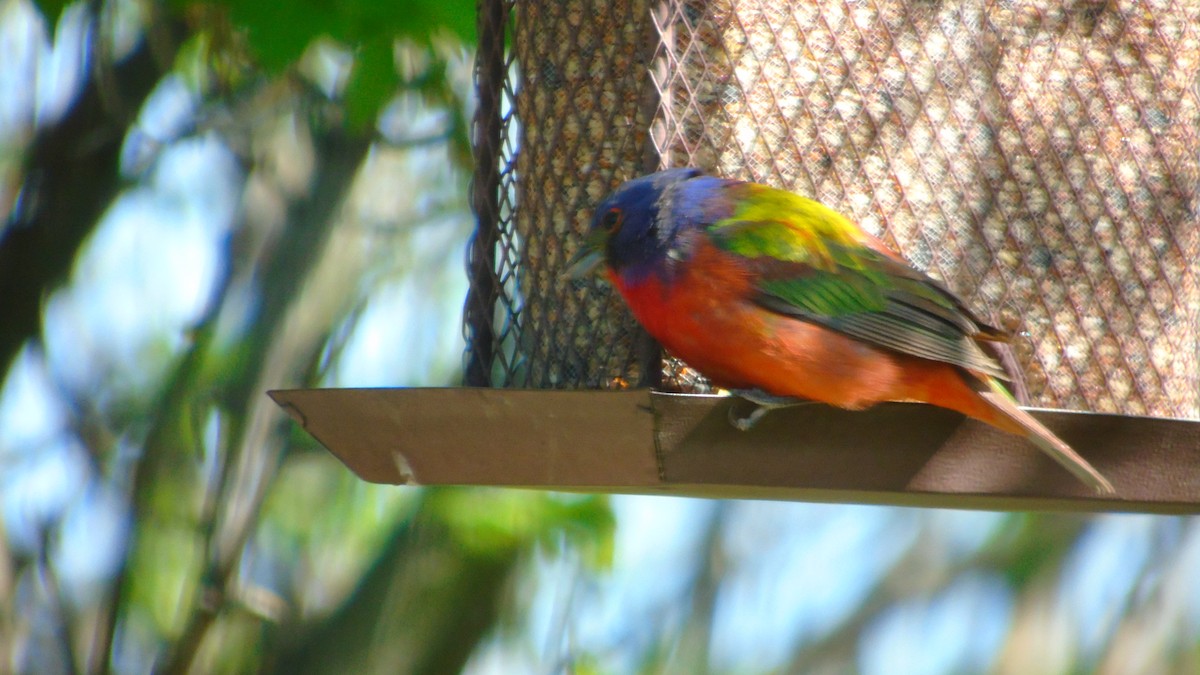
862,293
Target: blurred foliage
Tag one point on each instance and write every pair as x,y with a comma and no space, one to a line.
271,37
274,135
246,196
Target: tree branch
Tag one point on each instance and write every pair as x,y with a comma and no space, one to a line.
309,223
71,175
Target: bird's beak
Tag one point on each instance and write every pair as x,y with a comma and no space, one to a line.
587,260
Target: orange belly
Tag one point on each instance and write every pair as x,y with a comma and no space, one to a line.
703,316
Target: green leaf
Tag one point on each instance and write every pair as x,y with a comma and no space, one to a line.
277,34
372,82
424,18
278,31
51,9
193,61
489,521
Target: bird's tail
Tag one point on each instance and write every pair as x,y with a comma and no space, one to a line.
1008,417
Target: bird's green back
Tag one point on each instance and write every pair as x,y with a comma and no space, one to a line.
812,263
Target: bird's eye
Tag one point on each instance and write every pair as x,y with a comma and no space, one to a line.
611,220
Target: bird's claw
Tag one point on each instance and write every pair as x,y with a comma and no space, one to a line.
763,403
747,422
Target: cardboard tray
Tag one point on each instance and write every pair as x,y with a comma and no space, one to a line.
645,442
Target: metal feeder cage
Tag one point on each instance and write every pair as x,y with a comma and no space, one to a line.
1039,157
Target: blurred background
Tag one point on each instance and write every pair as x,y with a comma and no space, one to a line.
207,200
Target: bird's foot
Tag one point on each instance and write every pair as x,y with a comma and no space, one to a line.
763,404
747,423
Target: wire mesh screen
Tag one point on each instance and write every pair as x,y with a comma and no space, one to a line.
574,103
1040,157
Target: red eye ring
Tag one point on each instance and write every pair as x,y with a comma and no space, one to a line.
612,220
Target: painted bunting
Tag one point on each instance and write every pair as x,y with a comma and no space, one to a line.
778,297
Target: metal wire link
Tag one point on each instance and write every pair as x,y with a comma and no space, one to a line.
1040,157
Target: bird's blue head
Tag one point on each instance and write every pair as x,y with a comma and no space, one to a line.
636,228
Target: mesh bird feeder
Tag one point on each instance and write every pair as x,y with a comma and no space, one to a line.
1041,157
